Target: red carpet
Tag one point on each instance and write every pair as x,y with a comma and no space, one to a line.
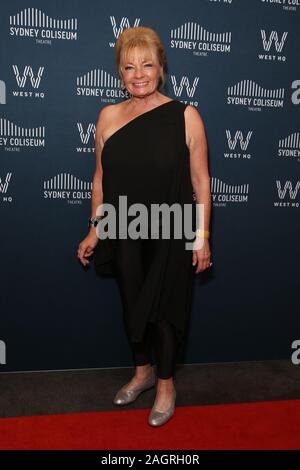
266,425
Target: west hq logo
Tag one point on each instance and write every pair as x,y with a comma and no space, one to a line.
185,86
288,194
238,145
4,183
87,137
273,46
124,24
28,77
5,197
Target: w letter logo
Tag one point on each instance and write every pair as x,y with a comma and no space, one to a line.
273,37
85,136
124,24
232,142
184,83
287,187
28,72
4,186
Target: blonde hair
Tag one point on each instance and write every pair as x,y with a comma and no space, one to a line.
145,39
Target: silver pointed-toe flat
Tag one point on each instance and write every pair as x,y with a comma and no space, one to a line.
125,396
157,417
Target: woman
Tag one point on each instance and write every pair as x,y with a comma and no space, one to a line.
152,149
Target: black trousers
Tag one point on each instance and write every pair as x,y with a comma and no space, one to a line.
132,260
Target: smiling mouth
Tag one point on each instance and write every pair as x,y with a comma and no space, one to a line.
140,84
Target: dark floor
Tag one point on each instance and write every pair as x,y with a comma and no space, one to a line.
74,391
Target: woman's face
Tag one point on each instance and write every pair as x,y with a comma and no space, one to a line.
141,73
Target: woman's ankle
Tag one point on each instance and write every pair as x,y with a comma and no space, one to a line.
165,384
144,370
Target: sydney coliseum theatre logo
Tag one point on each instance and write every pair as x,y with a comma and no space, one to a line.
287,5
289,147
13,137
254,96
34,23
67,187
101,84
201,42
223,193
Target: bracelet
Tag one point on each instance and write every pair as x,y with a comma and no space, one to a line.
202,233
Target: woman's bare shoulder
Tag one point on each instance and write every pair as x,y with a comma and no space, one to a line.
106,119
110,110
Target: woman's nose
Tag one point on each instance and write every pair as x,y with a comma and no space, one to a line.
139,72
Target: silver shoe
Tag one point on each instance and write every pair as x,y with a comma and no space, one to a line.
125,396
157,417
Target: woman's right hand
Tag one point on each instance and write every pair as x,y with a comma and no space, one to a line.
86,247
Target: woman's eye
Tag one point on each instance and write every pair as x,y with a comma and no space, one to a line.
148,65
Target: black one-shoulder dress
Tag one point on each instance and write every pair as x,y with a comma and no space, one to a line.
148,161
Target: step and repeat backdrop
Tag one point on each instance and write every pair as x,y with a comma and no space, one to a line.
237,62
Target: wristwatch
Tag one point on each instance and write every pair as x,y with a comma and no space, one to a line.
94,220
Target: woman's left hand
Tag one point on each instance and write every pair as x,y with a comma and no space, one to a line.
201,257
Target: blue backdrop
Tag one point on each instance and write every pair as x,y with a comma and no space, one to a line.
238,63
